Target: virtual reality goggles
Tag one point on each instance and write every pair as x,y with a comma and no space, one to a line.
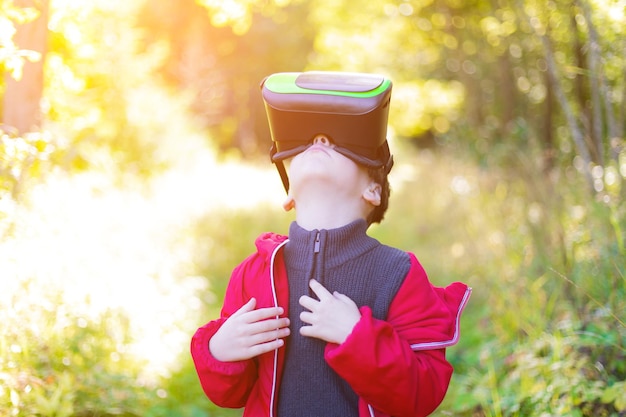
351,109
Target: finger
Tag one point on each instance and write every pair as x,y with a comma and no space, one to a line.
247,307
308,302
262,348
263,314
319,290
308,331
343,297
268,336
307,317
268,325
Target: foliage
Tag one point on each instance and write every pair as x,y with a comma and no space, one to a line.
61,362
22,158
456,65
11,57
101,111
103,97
239,14
498,55
210,60
555,374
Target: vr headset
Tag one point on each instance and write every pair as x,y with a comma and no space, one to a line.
350,108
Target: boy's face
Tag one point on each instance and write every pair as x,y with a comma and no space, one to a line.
321,166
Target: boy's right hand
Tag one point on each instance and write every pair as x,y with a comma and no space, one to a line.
249,333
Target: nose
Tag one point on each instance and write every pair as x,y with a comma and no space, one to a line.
321,140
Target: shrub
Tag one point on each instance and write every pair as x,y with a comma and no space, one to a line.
57,362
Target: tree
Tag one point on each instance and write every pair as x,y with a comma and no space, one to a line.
24,89
585,83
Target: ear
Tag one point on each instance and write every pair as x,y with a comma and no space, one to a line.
289,203
372,193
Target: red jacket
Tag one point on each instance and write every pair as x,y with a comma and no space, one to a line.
397,367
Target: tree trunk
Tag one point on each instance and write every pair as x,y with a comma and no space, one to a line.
21,107
595,86
575,130
583,90
596,64
507,96
547,132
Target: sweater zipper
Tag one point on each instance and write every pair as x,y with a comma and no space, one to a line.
316,247
315,271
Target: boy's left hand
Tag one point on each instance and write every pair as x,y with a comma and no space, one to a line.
331,318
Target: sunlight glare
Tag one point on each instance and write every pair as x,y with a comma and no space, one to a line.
460,185
616,12
112,248
225,11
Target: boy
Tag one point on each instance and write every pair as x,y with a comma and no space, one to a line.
330,322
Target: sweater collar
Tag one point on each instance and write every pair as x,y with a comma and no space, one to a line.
335,245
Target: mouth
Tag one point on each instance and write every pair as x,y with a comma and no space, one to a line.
319,148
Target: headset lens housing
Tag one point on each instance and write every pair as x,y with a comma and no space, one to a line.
350,108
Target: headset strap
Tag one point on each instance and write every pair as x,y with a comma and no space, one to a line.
280,167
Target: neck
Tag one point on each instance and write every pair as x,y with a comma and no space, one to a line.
315,211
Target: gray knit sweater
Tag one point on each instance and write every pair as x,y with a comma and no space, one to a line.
346,260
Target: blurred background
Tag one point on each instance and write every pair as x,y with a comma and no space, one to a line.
134,175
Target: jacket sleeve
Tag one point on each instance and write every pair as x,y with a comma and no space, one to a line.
227,384
398,366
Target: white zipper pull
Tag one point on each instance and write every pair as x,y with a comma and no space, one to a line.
316,248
